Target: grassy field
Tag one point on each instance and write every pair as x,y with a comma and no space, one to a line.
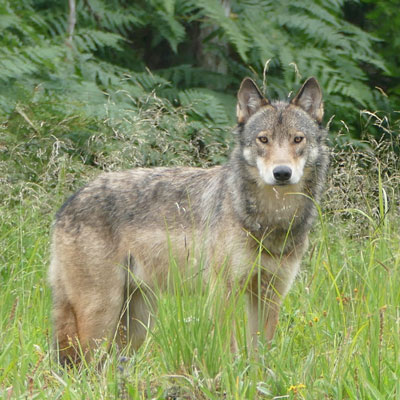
339,330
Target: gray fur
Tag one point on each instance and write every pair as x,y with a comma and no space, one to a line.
218,215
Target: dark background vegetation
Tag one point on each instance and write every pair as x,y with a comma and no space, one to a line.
117,83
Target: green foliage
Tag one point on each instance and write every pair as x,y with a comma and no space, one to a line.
114,42
337,335
303,39
42,143
382,19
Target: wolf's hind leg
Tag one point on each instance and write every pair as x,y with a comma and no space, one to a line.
138,316
65,329
87,313
98,313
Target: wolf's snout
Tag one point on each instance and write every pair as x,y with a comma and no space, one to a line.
282,173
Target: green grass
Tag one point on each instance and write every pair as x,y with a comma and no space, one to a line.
338,336
339,329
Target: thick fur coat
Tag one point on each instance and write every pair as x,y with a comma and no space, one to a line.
122,229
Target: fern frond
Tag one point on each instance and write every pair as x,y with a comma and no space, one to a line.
148,81
185,75
171,29
15,66
8,21
56,25
216,13
88,40
313,8
315,29
204,103
122,21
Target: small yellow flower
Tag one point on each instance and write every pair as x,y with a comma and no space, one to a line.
295,388
316,319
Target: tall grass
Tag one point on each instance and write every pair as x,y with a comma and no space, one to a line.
339,330
338,335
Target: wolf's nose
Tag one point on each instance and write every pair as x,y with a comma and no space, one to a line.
282,173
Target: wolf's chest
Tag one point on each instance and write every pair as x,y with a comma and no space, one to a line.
278,209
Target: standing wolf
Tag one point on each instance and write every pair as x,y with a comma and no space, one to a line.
250,216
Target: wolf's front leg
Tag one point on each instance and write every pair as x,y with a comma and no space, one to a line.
263,315
267,290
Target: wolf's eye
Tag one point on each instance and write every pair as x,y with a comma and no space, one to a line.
298,139
263,139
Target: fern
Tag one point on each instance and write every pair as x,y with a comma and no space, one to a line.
323,14
171,29
119,21
149,81
203,103
216,13
305,38
186,75
8,21
89,40
144,52
16,66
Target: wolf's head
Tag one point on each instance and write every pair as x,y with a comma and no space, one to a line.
280,140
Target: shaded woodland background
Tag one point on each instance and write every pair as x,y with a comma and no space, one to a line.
86,51
130,83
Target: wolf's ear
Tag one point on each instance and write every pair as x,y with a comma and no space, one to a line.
309,99
250,100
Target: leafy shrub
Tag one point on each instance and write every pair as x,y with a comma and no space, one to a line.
113,42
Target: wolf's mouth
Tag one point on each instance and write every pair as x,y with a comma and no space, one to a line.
281,183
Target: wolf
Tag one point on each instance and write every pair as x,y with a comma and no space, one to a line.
250,216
